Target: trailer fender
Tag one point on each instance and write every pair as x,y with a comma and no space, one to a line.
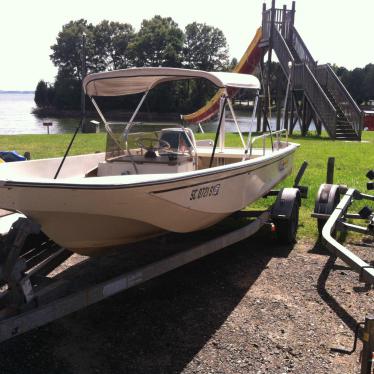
328,198
284,204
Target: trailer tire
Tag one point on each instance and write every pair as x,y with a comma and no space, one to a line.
286,229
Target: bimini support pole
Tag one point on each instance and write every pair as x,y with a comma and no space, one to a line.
100,114
254,113
235,120
222,126
107,128
135,113
68,148
287,93
222,111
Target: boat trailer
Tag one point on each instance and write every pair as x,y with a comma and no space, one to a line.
41,283
331,211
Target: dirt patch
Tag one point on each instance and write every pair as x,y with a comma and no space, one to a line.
253,308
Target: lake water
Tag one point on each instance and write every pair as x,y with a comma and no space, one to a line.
16,118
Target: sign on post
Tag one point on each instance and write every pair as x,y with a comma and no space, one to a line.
48,125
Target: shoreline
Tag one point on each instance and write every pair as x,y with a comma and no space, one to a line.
114,115
123,115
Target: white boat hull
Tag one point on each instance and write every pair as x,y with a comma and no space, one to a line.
89,215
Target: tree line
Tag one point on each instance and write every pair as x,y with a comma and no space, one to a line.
115,45
359,82
158,42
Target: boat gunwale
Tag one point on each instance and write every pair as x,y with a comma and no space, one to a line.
262,160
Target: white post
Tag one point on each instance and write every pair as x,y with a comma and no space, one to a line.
236,122
135,113
249,140
222,129
287,92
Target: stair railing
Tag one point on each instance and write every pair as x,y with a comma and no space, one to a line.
282,51
301,49
305,79
329,80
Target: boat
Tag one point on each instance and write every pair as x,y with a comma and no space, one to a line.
150,180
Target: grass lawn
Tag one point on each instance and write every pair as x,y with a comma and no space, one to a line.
352,161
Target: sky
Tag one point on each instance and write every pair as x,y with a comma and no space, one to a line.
335,31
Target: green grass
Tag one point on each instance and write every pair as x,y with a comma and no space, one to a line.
54,145
352,161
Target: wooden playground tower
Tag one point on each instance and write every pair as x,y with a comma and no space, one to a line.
313,93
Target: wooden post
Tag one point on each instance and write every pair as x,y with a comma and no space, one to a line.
263,17
268,69
293,10
286,114
292,21
368,349
330,170
47,125
279,108
264,100
303,122
318,127
283,30
259,114
290,128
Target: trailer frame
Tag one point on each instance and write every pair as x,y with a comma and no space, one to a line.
32,299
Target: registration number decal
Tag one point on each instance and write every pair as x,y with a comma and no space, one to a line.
204,192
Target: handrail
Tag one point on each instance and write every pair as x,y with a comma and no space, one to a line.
283,52
265,135
346,103
301,49
320,101
350,98
305,79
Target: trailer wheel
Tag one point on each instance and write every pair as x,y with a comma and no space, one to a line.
328,198
286,229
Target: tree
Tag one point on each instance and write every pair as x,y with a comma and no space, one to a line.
67,52
205,48
159,42
368,85
41,94
110,43
355,83
67,91
233,64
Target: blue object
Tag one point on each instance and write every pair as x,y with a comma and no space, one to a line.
11,156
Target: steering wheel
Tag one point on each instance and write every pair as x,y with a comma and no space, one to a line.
162,144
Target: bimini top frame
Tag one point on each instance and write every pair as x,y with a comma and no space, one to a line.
142,80
138,80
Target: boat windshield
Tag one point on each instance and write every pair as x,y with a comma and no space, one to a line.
151,140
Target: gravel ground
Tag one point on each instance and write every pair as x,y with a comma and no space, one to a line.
253,308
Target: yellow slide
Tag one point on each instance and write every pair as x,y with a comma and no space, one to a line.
247,64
